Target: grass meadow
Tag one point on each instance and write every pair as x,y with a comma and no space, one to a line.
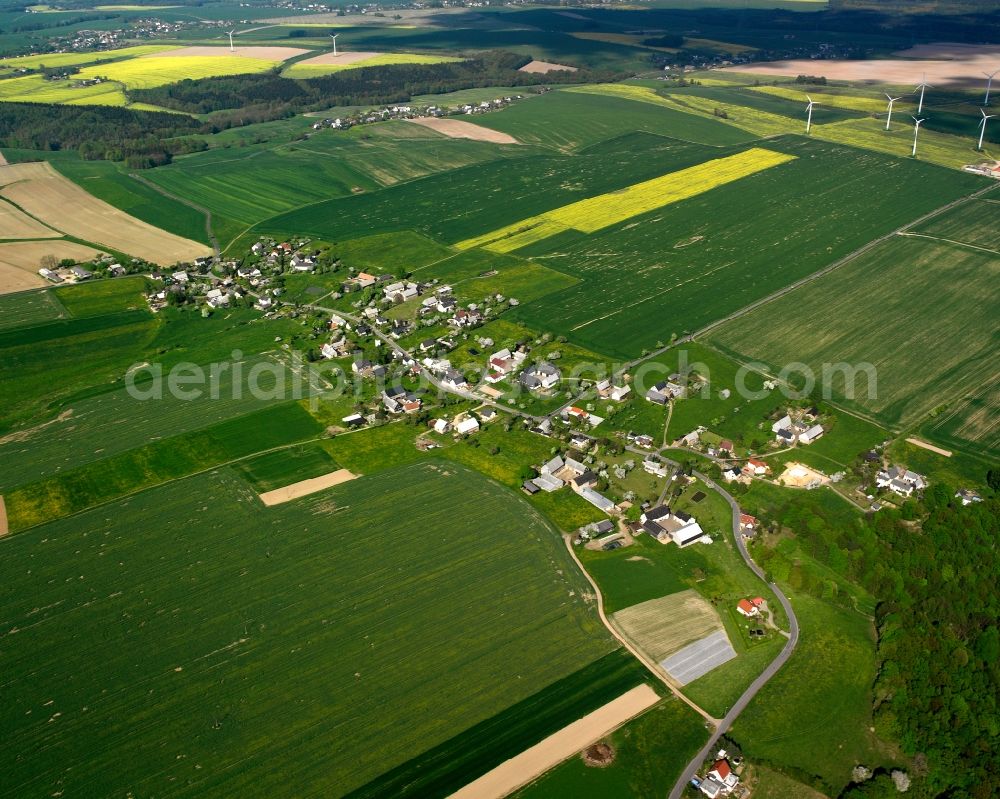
238,629
925,339
820,701
29,308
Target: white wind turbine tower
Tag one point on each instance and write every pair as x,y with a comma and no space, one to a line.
333,38
888,118
916,132
989,84
809,110
231,48
982,133
923,85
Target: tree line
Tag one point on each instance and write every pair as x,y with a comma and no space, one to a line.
271,96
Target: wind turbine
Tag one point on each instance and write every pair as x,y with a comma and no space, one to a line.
888,118
809,110
231,48
916,132
982,125
923,85
333,38
989,84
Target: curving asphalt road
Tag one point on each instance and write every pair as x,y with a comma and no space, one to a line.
766,675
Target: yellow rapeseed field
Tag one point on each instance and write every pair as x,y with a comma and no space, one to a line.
71,59
850,102
152,71
596,213
304,69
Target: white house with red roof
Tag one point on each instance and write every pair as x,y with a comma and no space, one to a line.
746,608
720,781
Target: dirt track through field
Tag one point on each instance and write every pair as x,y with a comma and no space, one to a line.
535,761
305,487
458,129
924,445
57,201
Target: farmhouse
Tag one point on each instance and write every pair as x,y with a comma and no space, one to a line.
746,608
454,379
664,391
354,420
811,434
900,481
666,525
540,376
502,363
463,318
441,426
397,400
585,480
400,291
598,500
756,468
655,467
579,413
720,781
464,424
607,391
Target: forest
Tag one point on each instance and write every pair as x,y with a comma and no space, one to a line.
932,564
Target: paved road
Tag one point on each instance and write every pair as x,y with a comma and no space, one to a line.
766,675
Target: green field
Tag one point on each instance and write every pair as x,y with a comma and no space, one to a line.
820,701
29,308
104,297
101,481
569,121
286,466
233,626
660,273
250,184
923,359
106,181
650,752
73,59
976,222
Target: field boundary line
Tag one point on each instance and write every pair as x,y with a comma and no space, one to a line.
627,644
949,241
212,240
536,760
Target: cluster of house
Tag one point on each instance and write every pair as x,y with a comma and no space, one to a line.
801,430
77,273
372,116
666,390
666,526
274,254
465,423
900,481
720,780
750,607
747,472
559,472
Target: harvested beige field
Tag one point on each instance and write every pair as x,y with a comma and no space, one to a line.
3,518
15,224
306,487
341,59
57,201
3,160
956,65
19,262
663,626
930,447
261,53
535,761
545,66
457,129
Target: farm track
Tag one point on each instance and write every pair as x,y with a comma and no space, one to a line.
214,242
